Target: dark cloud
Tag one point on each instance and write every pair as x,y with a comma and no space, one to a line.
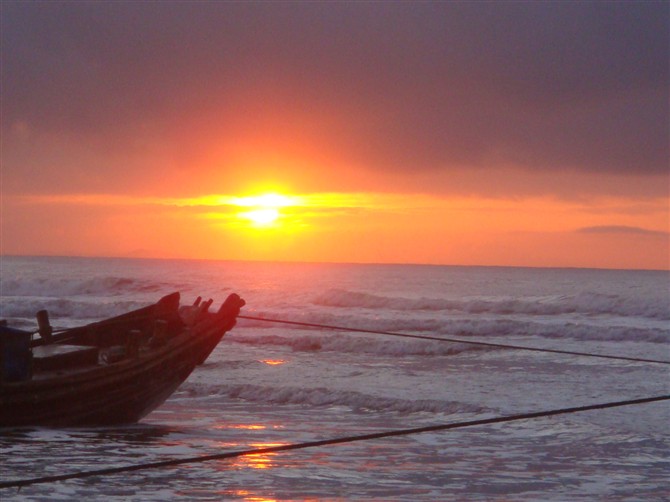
398,85
621,229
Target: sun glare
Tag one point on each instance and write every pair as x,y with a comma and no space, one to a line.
264,210
265,200
261,217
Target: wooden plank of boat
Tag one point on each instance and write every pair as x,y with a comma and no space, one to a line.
62,357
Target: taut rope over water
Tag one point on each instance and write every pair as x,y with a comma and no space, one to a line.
19,483
454,340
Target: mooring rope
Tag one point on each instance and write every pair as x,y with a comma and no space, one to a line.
404,335
19,483
455,340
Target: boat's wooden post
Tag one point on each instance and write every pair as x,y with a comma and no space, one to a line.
45,329
133,343
205,306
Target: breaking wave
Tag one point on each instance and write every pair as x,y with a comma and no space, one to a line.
584,302
657,332
58,287
79,295
325,397
352,344
65,312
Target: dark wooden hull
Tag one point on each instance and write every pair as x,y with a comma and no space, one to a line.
117,393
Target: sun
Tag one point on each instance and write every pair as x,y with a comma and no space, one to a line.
263,210
261,217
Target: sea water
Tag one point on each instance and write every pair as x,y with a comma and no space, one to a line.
271,384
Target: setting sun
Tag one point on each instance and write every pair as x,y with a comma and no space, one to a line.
261,217
264,209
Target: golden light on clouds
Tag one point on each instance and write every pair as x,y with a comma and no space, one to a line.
263,210
272,200
356,227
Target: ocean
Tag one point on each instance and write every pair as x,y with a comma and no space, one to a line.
270,384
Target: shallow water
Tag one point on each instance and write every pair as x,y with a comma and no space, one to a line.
271,385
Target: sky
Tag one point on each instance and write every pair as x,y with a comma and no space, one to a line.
463,133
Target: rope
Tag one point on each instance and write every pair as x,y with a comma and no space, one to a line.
327,442
457,340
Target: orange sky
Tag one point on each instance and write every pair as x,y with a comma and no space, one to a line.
348,227
139,129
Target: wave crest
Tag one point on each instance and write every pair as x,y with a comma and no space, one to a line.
323,397
583,302
352,344
66,287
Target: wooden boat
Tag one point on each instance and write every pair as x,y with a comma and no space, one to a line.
114,371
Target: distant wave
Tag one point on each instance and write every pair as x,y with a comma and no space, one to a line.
585,302
64,312
72,301
328,397
68,287
583,316
485,329
339,342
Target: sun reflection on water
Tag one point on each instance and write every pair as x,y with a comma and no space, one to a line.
258,460
250,427
248,496
273,362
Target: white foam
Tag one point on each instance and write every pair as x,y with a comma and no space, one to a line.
354,344
322,397
486,327
582,302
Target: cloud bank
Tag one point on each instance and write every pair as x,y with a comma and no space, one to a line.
89,89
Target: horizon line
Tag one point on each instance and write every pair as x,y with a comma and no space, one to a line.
303,262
